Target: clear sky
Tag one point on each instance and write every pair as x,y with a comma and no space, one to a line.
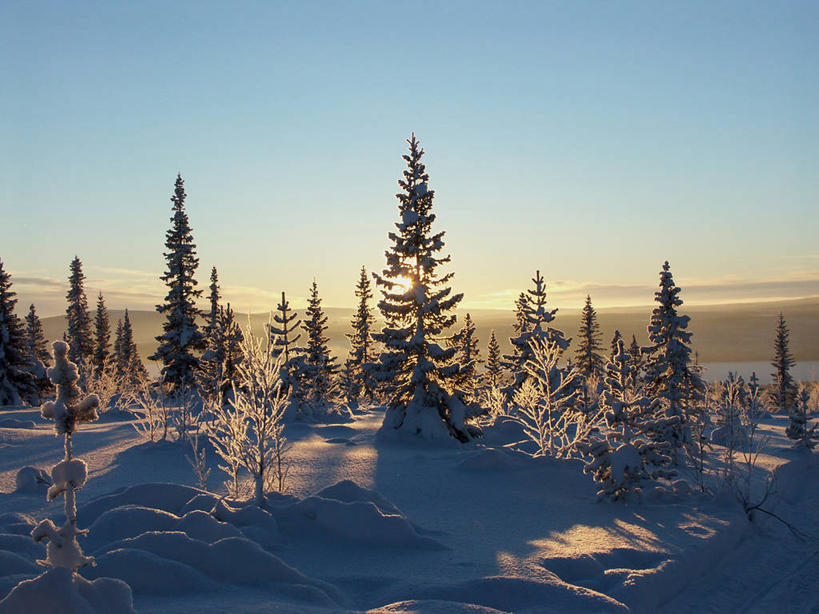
592,140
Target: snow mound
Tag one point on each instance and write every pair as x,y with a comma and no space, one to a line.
12,564
147,573
203,502
505,430
512,593
350,492
57,591
18,524
133,520
14,423
358,521
233,560
432,606
31,481
165,497
491,459
22,545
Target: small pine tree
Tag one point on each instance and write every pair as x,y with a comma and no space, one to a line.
16,380
416,373
669,376
532,321
784,388
319,365
362,352
182,337
102,341
209,374
78,337
117,352
284,342
494,368
636,354
798,428
213,298
588,360
468,356
131,364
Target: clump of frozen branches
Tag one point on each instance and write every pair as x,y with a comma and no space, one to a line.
199,462
68,411
149,404
545,403
249,432
103,382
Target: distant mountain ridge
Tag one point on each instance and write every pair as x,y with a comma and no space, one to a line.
722,333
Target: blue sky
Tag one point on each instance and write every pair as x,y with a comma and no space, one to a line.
592,140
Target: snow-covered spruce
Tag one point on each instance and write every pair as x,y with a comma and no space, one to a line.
669,375
319,366
784,388
416,373
494,368
67,411
128,364
182,338
626,456
102,336
37,354
362,350
16,380
532,323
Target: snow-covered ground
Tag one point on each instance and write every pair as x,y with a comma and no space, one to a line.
381,525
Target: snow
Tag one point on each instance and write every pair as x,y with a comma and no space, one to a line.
31,481
393,526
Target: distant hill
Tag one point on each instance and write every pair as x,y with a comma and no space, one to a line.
722,333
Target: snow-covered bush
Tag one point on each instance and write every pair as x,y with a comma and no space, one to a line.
149,404
250,432
69,475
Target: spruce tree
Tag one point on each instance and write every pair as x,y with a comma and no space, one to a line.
16,380
798,428
361,342
131,364
78,336
213,298
669,375
38,346
232,338
784,388
416,373
37,354
588,360
102,330
182,337
118,353
494,368
319,366
209,373
284,340
532,325
615,338
467,354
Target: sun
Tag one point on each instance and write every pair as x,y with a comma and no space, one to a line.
402,284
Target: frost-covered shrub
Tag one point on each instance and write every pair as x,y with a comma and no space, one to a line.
69,475
803,434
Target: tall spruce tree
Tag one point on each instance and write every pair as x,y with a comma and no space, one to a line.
784,388
37,343
118,353
182,338
284,340
669,375
532,325
494,368
588,360
416,373
209,373
319,365
38,356
467,354
16,380
102,340
360,383
78,336
212,316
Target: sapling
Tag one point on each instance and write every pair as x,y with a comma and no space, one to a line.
69,475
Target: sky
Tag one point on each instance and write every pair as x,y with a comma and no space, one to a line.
590,140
